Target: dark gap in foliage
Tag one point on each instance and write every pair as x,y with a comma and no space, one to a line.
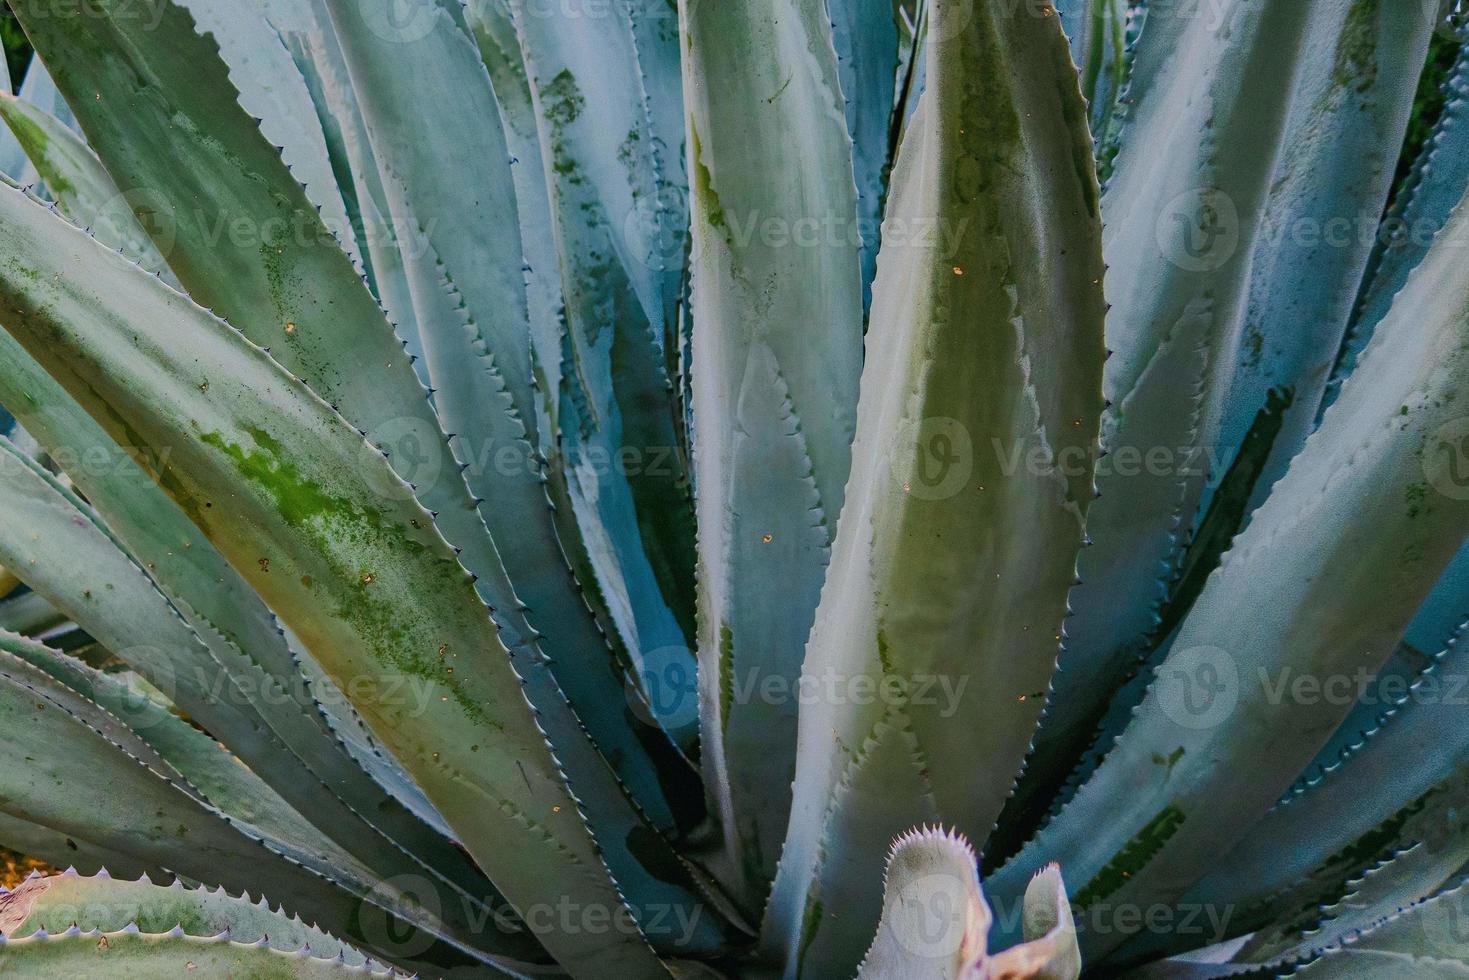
1428,105
17,48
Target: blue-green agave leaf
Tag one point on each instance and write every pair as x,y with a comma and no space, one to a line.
1421,208
1333,567
334,542
617,196
980,409
777,352
67,742
78,182
49,905
865,33
1184,212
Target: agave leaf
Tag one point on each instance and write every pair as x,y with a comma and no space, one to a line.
936,922
319,58
499,45
104,591
473,399
12,155
1334,565
1420,210
137,812
59,850
776,360
1353,812
971,474
243,237
1404,680
334,542
76,178
928,872
52,904
39,89
1342,139
478,356
865,34
617,216
204,765
1050,951
426,180
1426,940
272,90
1406,879
209,594
1183,214
96,956
30,614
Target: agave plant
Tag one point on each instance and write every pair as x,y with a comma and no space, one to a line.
625,488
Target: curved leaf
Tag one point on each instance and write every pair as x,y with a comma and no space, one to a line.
1332,567
777,353
941,617
333,541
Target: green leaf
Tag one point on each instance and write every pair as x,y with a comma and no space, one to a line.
333,541
76,178
97,956
1184,213
241,233
616,199
67,743
1346,125
1333,568
1424,941
777,352
272,90
201,762
101,588
972,470
53,904
213,598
